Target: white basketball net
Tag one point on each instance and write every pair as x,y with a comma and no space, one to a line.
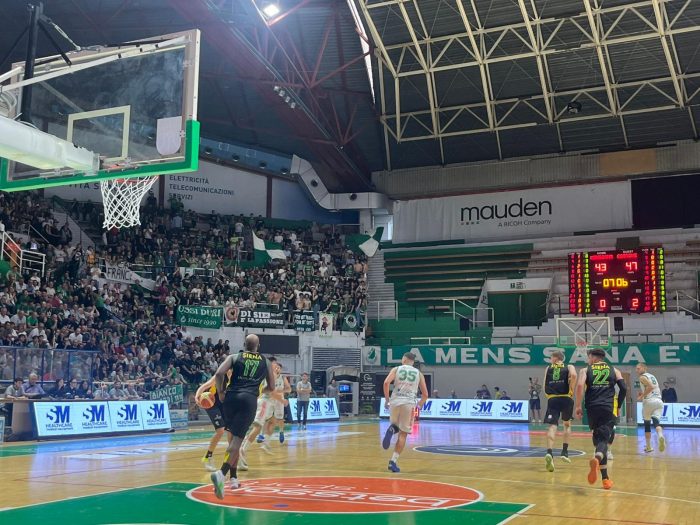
122,198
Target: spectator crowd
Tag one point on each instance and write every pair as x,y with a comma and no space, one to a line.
131,331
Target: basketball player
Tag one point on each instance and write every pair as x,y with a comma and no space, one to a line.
407,379
216,417
559,384
598,380
270,406
652,407
239,399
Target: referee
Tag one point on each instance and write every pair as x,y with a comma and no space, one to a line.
239,399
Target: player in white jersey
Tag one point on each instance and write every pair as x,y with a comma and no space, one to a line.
407,380
282,387
652,407
268,407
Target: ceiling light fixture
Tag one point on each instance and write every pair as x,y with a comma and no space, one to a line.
573,107
271,10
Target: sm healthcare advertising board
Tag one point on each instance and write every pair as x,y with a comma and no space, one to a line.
465,409
509,215
677,414
320,408
56,419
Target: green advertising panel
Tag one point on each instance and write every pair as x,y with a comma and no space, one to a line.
200,316
667,354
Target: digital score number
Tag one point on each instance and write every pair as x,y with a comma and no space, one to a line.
617,281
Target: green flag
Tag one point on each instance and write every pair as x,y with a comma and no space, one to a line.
368,244
268,250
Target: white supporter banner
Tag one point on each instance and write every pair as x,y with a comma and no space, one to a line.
465,409
61,418
122,274
320,408
511,215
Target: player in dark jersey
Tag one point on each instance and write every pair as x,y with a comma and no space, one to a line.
598,380
239,399
559,383
216,416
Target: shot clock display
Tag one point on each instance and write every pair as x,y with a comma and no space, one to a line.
617,282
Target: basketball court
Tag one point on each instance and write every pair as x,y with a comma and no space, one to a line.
453,472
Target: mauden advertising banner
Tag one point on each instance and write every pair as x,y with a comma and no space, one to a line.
537,212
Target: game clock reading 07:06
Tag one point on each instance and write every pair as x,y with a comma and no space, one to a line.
617,281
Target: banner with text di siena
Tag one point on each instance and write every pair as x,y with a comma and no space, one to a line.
669,354
511,215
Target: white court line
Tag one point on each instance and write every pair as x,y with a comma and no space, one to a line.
89,495
519,514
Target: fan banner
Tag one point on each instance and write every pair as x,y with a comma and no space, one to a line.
326,322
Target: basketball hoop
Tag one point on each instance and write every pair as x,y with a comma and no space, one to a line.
122,198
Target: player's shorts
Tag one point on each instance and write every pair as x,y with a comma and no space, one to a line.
652,407
559,407
279,409
601,421
239,412
215,415
265,410
534,404
402,417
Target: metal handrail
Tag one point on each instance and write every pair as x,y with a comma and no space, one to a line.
445,340
475,322
396,309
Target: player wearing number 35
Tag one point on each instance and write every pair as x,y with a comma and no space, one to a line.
598,380
240,399
407,379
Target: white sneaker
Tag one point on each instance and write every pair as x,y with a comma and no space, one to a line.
219,481
208,465
242,462
234,484
662,443
610,455
266,448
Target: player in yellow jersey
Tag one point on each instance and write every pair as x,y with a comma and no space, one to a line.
559,384
216,417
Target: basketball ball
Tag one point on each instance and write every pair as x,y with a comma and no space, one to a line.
206,400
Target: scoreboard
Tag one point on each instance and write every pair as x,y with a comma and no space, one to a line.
624,281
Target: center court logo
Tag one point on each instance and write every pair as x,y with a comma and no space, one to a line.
341,495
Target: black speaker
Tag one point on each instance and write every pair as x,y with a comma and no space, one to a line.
619,324
465,324
318,381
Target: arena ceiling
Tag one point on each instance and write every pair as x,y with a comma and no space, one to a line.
388,84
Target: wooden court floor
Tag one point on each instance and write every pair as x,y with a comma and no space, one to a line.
452,473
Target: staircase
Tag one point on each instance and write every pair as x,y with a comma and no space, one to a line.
381,303
79,236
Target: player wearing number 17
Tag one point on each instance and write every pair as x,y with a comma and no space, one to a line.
407,380
239,399
599,380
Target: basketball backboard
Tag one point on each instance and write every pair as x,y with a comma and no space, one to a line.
583,332
134,105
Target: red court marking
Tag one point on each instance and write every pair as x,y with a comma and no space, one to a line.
338,495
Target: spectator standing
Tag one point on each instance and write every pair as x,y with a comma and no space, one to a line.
303,397
668,394
535,390
332,391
